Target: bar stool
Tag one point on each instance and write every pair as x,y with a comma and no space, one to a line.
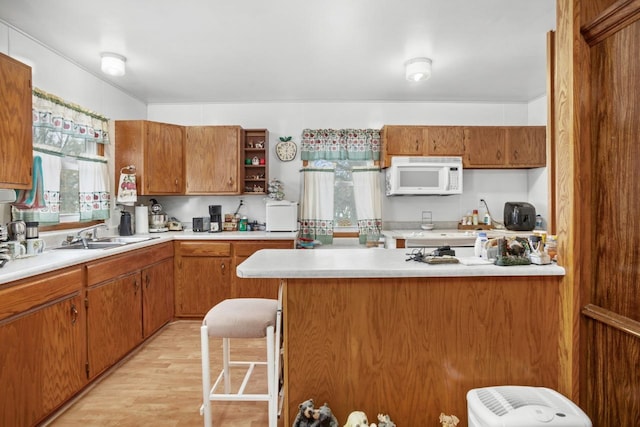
242,318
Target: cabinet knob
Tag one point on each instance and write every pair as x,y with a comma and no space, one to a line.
136,286
74,314
147,281
176,182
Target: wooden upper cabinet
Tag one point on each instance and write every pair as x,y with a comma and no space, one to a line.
481,147
504,147
156,150
527,146
401,141
212,159
15,124
443,141
485,147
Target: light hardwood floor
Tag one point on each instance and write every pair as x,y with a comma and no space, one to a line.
160,385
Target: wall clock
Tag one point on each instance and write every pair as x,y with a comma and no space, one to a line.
286,149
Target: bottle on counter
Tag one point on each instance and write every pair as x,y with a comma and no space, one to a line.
242,225
481,240
475,217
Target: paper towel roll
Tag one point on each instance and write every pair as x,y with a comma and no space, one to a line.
142,220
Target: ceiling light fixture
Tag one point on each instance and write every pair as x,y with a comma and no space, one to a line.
417,69
113,64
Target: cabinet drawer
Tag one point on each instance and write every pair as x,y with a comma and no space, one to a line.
29,293
200,248
117,265
247,249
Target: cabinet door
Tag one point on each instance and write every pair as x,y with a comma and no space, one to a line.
202,275
213,159
484,147
444,141
527,146
157,296
114,326
404,140
15,124
201,283
164,157
41,361
255,288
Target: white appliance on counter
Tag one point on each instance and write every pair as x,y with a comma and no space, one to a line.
415,176
281,215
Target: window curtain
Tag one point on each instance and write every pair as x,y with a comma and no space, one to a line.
65,133
368,200
316,218
340,144
94,190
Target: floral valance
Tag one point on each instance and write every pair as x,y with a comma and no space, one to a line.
64,127
340,144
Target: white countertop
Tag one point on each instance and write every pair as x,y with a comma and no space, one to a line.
53,259
374,262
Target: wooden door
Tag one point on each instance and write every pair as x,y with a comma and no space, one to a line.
164,157
444,141
16,124
114,320
213,159
255,288
484,147
202,276
526,146
597,101
157,296
41,360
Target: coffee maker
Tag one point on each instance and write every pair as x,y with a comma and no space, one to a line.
215,212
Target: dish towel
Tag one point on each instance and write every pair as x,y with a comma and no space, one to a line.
34,197
127,191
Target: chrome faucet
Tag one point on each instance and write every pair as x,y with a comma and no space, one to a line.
90,233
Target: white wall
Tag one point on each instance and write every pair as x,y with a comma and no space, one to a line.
289,119
63,78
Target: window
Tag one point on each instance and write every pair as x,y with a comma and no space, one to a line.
71,181
344,196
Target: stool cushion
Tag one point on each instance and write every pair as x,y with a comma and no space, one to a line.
241,318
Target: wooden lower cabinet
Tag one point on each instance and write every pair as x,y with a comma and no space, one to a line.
114,313
205,274
128,298
157,296
202,276
42,346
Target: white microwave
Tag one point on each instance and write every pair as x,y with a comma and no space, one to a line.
424,176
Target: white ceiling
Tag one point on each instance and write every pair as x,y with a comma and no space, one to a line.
298,50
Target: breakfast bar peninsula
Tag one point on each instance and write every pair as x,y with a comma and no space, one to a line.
367,330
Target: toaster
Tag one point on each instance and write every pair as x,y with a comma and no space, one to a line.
203,224
519,216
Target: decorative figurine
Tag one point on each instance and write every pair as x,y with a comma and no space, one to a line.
357,419
384,421
449,420
308,416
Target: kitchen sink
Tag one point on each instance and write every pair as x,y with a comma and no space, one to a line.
107,242
124,239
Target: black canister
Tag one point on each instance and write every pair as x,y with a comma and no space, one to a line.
125,228
31,230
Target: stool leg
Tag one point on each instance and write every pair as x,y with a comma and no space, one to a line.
226,356
271,378
206,375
